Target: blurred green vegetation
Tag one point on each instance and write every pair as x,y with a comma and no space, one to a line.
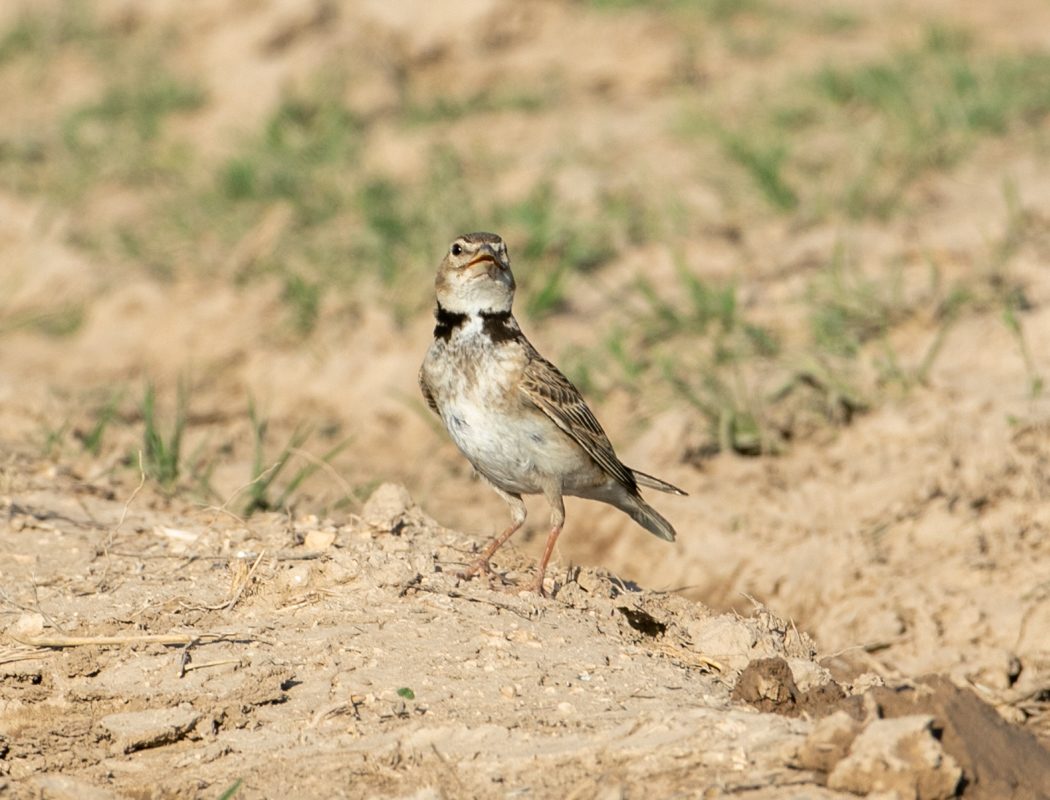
265,472
40,35
449,109
294,201
853,139
162,458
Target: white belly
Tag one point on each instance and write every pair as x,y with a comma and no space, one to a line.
522,455
508,440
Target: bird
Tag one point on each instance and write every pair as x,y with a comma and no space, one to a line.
518,420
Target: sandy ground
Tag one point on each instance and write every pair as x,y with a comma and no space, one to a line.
167,652
339,656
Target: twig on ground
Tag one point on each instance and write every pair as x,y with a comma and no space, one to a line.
337,708
18,654
33,609
229,604
184,656
100,641
123,515
308,555
448,770
330,470
223,509
247,579
207,664
127,505
460,596
50,620
691,658
310,598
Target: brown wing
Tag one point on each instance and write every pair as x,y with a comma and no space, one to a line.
546,387
427,394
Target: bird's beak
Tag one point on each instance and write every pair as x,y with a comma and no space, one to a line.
487,260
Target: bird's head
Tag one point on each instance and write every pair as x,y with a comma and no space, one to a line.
475,275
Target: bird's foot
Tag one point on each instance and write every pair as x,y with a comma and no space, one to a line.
480,566
535,586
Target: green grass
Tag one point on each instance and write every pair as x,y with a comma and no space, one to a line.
133,112
231,790
92,440
162,455
297,158
710,374
304,300
715,10
757,394
881,125
943,90
695,338
1013,324
837,21
21,38
450,109
53,439
295,201
34,34
266,471
847,309
549,242
62,321
931,105
764,163
116,138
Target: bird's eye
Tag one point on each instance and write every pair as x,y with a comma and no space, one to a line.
456,249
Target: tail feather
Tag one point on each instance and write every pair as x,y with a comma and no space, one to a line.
649,482
646,516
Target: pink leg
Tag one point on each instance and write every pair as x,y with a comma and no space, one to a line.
482,563
537,583
517,519
557,521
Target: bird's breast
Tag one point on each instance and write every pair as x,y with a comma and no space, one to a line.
511,442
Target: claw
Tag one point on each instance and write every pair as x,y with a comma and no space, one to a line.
480,566
482,563
535,586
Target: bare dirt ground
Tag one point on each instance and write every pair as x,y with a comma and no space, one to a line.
160,643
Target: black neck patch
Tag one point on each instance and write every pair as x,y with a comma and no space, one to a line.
500,326
447,321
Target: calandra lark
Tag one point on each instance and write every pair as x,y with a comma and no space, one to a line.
514,416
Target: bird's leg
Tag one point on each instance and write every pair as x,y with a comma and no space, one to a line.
517,519
537,582
557,521
481,564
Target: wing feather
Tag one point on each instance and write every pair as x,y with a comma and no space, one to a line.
544,385
428,395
